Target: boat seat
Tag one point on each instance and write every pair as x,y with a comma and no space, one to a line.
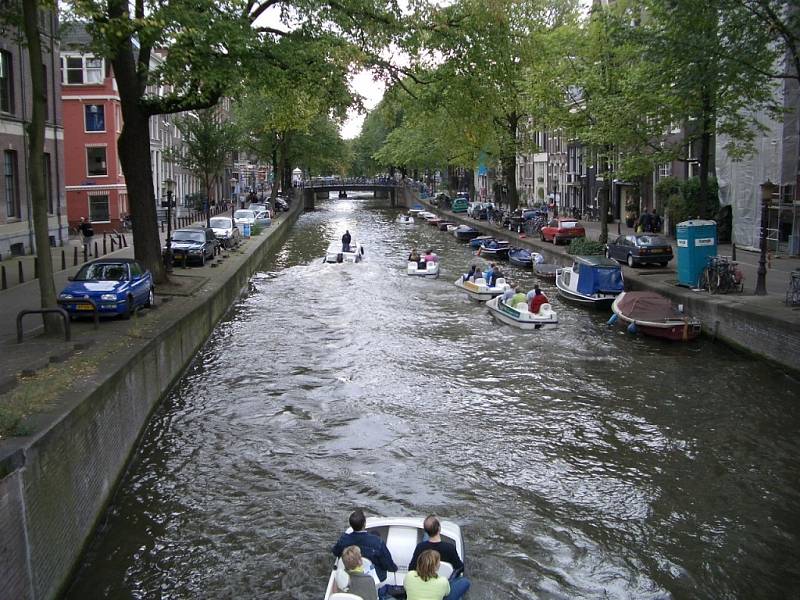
522,306
500,282
445,570
545,308
480,281
344,596
343,579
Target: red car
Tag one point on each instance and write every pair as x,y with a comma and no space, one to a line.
565,228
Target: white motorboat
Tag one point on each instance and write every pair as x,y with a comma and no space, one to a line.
405,219
591,280
451,227
423,268
414,211
335,254
401,536
520,317
426,215
479,289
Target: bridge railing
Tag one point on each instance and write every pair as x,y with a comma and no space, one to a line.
318,182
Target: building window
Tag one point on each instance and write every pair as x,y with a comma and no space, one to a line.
664,170
10,184
95,115
98,207
6,83
96,161
48,183
81,69
694,169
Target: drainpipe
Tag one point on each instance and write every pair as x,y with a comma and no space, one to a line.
55,103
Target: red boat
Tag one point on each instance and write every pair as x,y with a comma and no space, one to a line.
654,315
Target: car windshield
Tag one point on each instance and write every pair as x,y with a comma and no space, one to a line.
652,240
102,272
220,223
188,236
244,214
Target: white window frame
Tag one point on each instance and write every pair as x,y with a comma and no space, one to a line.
664,170
97,194
85,69
105,122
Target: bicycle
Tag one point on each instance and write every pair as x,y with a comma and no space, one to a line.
721,275
793,293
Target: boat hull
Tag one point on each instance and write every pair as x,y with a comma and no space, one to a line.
598,300
431,270
674,329
521,320
466,235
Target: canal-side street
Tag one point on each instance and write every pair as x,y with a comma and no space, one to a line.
581,462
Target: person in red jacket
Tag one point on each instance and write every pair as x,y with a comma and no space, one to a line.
538,299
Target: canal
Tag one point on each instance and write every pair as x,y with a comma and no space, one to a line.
581,462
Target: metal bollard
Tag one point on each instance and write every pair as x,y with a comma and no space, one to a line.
75,257
63,260
85,253
105,250
119,240
19,272
162,226
3,278
36,267
112,244
184,260
95,251
124,241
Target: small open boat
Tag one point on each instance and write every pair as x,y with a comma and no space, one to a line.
522,257
465,232
520,317
545,271
451,227
494,249
415,211
401,536
654,315
334,253
423,269
591,280
443,225
476,242
405,219
478,290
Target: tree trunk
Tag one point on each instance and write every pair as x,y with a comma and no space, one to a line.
44,259
273,193
705,149
510,162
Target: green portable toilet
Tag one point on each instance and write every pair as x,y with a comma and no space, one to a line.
697,240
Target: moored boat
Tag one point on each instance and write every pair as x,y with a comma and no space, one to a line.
520,317
443,225
654,315
405,219
591,280
415,211
434,221
423,268
494,249
335,254
401,536
522,257
545,271
451,227
476,242
480,291
465,232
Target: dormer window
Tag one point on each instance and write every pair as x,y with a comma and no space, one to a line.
76,70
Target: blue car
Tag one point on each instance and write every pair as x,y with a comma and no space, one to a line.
118,286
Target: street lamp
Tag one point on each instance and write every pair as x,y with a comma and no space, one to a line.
766,198
233,181
169,186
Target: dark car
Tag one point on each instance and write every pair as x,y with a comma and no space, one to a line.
195,244
519,217
117,286
640,249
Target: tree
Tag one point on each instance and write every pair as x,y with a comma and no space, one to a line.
208,141
212,48
27,20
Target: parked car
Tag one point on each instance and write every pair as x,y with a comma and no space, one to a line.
258,207
640,249
560,229
118,286
263,218
519,217
226,231
459,205
281,204
194,244
244,216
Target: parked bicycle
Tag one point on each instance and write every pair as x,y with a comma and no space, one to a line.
721,275
793,293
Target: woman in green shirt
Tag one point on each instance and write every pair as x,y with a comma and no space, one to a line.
424,583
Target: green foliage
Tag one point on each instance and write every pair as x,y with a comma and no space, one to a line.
585,247
683,200
666,188
256,229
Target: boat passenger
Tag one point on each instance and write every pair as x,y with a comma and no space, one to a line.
458,585
372,547
358,582
471,275
495,274
516,299
346,239
506,297
430,256
414,256
538,299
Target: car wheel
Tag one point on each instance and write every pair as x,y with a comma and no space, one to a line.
541,235
631,262
555,240
662,264
128,308
151,298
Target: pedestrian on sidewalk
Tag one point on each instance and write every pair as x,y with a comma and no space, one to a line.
645,223
87,234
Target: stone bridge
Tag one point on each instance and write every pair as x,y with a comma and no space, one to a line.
321,187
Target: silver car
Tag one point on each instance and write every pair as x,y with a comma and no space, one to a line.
226,231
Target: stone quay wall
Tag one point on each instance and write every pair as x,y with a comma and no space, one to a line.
55,485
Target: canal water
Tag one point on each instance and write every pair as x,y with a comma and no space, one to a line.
581,462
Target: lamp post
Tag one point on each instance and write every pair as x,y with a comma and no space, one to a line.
233,181
169,185
766,198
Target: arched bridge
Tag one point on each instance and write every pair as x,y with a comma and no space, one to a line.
321,187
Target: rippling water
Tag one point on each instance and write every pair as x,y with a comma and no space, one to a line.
581,462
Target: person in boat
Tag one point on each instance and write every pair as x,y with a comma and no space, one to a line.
458,585
430,256
470,276
424,582
494,274
414,256
346,239
516,298
357,581
372,547
537,300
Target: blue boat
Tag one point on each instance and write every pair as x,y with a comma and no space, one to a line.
522,257
494,249
465,233
475,243
593,280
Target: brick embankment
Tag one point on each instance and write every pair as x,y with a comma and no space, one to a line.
761,325
55,482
